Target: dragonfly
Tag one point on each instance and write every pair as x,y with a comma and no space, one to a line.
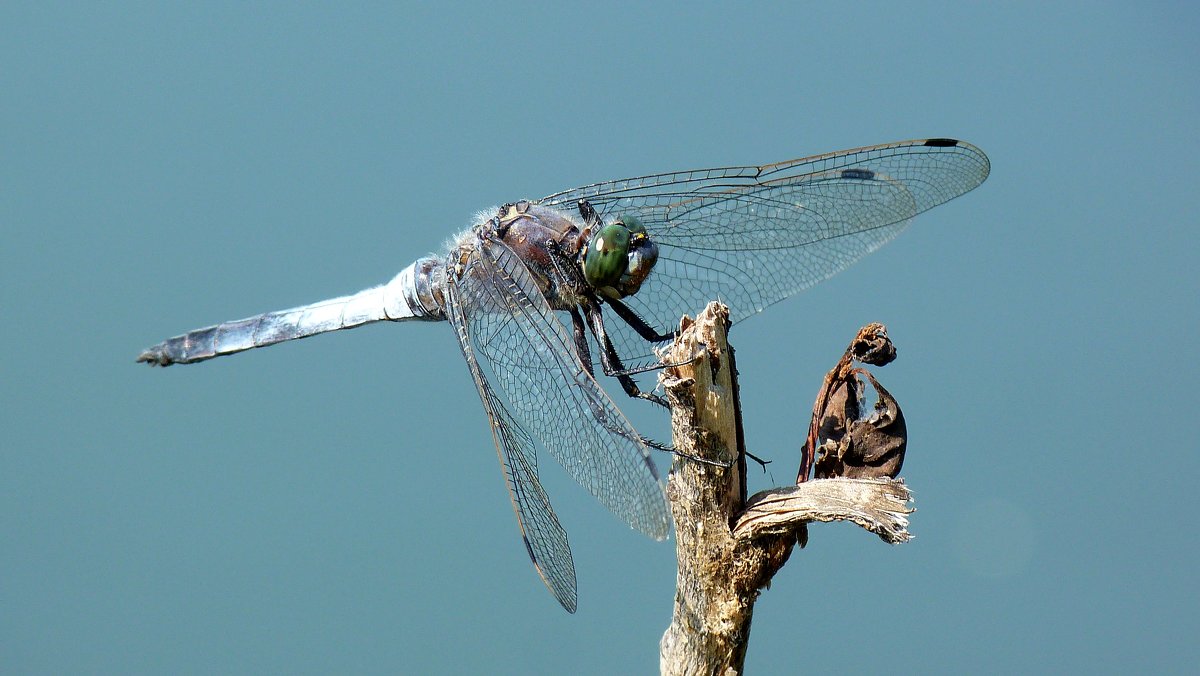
534,285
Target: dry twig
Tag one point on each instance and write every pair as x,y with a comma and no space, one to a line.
729,548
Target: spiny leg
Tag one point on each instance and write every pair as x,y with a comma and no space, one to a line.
648,333
579,333
581,346
635,321
611,361
643,329
613,367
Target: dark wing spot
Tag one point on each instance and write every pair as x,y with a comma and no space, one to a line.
941,142
529,549
863,174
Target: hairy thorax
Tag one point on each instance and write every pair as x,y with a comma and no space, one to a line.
549,242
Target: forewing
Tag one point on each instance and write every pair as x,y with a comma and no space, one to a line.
533,364
755,235
543,535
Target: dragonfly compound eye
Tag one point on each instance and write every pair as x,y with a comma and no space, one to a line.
606,256
632,224
643,254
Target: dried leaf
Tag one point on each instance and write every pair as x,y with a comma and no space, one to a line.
857,447
844,441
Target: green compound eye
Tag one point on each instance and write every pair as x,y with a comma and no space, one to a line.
607,255
632,224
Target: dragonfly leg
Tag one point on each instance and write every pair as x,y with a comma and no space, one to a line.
647,332
579,333
666,448
611,361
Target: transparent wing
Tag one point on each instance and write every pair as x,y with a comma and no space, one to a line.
543,535
533,365
755,235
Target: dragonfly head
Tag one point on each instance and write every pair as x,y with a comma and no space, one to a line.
619,257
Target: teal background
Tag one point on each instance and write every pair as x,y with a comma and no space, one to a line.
334,505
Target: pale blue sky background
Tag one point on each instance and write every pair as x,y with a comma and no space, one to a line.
335,506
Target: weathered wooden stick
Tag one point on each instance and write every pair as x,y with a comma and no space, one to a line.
727,551
878,505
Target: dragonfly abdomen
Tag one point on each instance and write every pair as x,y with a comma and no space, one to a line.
407,297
